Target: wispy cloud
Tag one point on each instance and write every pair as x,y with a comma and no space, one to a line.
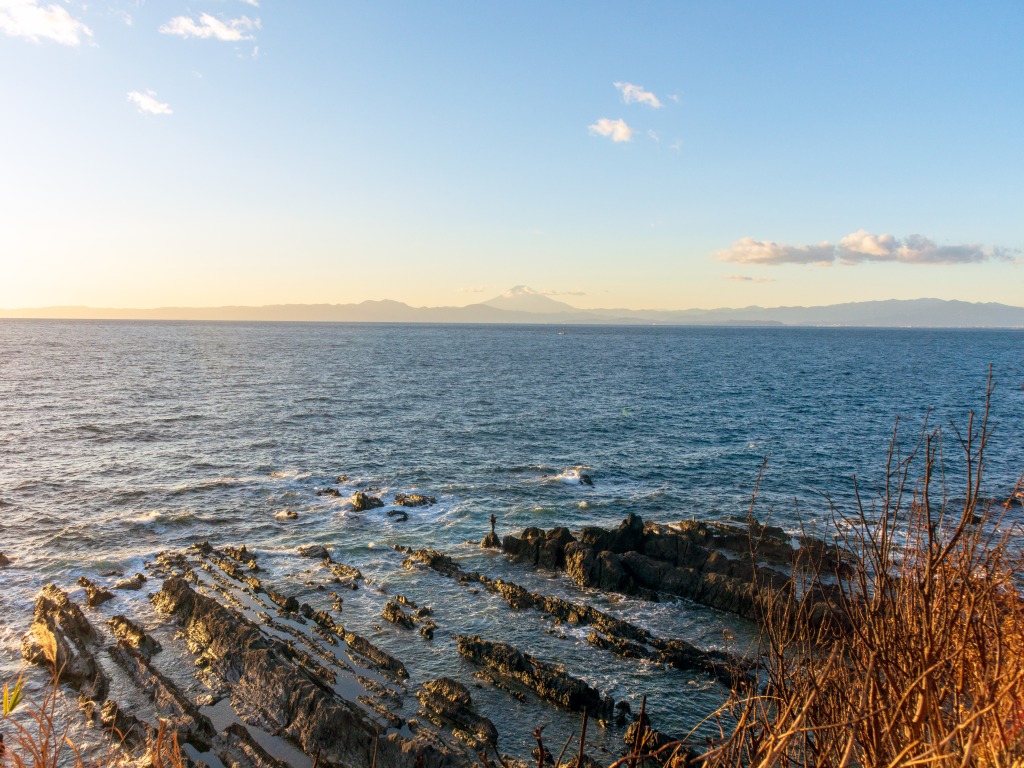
474,289
35,22
209,26
564,293
748,279
148,103
253,3
616,130
637,94
858,247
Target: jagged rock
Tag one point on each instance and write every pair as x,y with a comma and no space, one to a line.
329,491
244,556
384,660
393,612
362,502
344,574
434,560
447,702
586,479
414,500
94,595
285,698
317,551
62,638
287,602
4,560
546,680
491,541
134,583
400,515
127,630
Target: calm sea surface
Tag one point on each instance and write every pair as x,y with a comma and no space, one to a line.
120,439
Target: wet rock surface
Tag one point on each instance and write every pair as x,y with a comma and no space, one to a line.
612,634
95,595
549,681
4,560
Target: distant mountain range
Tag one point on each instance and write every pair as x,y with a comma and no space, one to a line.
522,305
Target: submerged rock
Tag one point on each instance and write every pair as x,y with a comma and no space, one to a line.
399,514
317,551
134,583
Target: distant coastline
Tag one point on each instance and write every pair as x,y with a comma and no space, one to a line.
522,306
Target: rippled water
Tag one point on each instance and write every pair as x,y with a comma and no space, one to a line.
120,439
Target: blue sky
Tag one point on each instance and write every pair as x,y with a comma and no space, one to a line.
667,155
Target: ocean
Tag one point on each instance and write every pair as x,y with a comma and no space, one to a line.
122,439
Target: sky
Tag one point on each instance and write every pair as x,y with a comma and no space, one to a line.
647,155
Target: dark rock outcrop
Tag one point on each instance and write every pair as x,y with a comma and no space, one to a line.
393,612
4,560
491,541
134,583
710,563
414,500
94,594
399,514
362,502
317,551
548,681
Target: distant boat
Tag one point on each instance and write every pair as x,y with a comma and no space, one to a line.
563,332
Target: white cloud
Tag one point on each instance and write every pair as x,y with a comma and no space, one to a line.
747,250
148,103
861,246
616,130
653,135
253,3
636,94
211,27
915,249
35,22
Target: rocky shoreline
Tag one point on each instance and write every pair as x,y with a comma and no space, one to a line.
249,671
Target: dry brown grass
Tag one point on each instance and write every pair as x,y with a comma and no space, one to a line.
921,658
37,734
